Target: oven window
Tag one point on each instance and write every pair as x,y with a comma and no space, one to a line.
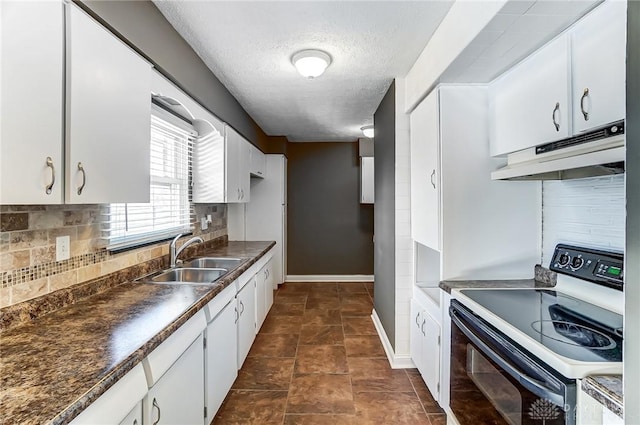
483,393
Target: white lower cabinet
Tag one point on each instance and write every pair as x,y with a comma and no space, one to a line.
246,301
178,396
264,293
591,412
221,361
425,346
135,416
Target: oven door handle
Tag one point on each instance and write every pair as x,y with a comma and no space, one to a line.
533,385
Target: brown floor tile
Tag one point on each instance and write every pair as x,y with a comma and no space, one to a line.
281,325
322,287
320,394
287,310
320,420
323,303
363,299
352,288
252,408
389,408
358,307
260,373
273,345
288,287
364,346
321,359
358,326
438,419
321,335
321,317
429,404
290,298
377,375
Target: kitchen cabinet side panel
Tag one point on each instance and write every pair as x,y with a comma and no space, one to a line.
31,101
483,218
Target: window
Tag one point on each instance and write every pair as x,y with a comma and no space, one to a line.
169,211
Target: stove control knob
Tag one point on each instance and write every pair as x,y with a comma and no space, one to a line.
563,260
576,263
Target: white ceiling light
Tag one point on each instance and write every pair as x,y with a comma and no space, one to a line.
311,63
367,130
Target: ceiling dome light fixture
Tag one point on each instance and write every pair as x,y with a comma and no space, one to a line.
311,63
367,130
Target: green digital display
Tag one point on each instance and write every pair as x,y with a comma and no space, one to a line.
614,270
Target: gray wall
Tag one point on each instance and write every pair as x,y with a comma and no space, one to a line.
384,211
632,266
142,25
329,232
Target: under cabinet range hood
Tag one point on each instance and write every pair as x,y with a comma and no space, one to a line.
599,152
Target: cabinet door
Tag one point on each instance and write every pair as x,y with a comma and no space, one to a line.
178,397
31,101
260,282
244,166
247,320
134,417
415,336
108,103
425,173
258,162
232,174
221,361
430,371
598,53
269,286
529,105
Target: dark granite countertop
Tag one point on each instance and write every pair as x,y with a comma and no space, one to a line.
53,367
543,279
607,390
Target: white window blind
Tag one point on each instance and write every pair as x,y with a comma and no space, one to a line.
169,211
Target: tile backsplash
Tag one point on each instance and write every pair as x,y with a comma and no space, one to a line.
27,247
585,212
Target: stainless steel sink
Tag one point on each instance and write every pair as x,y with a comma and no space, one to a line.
213,262
190,275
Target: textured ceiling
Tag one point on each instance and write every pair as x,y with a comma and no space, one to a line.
248,46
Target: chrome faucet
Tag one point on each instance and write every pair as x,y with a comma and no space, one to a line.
173,253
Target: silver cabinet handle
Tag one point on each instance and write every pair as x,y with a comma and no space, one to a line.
242,191
135,422
156,406
422,327
417,317
553,116
238,194
433,174
237,314
585,95
53,175
242,310
84,178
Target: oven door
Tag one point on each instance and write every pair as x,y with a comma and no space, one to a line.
495,381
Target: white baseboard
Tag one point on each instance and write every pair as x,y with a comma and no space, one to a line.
329,278
397,361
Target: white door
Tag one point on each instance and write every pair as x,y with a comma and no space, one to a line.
178,396
108,103
134,417
425,172
598,54
221,361
430,371
529,105
31,101
246,299
416,336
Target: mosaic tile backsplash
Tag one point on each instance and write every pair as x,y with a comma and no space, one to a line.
28,247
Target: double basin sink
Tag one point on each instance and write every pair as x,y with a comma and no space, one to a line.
201,271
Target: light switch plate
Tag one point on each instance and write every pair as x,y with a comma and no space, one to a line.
204,225
63,248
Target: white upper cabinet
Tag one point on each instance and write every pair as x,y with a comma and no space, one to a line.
236,167
258,162
367,180
598,52
31,101
425,172
529,105
108,103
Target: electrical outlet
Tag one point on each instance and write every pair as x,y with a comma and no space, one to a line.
63,248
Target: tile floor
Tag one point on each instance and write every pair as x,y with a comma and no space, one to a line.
318,360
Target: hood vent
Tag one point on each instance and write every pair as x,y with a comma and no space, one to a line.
599,152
